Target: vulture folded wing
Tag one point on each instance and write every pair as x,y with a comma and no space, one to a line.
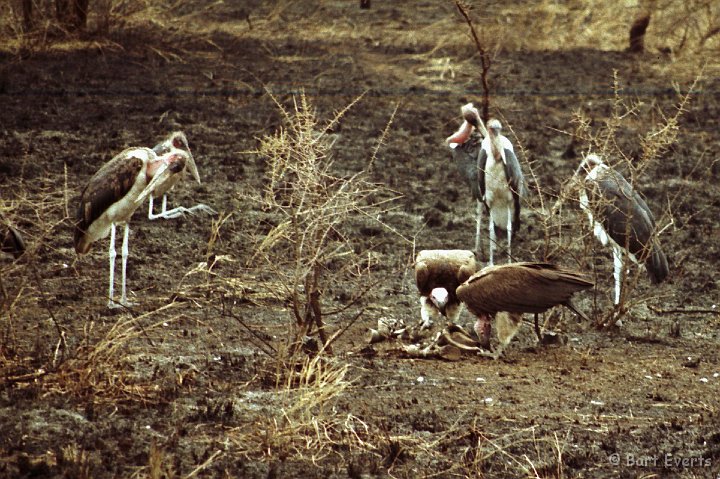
422,277
521,288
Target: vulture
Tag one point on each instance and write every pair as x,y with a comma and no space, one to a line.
113,194
506,292
176,140
438,273
620,218
493,172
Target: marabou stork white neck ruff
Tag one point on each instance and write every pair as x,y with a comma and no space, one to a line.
507,291
621,218
493,172
438,273
113,194
176,140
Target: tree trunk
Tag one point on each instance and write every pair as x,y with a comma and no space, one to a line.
72,14
27,12
637,33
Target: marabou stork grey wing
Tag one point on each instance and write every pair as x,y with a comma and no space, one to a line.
470,160
516,180
108,186
630,223
12,242
520,288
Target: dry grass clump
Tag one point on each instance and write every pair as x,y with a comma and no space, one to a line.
304,424
102,369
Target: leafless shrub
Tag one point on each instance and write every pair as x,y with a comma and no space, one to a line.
310,247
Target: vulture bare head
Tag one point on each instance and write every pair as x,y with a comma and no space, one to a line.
438,273
506,292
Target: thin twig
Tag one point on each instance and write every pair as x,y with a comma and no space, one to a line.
684,310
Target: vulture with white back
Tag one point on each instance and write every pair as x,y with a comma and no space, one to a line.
438,273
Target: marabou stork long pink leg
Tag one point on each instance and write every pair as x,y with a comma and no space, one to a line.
125,253
509,234
617,273
478,228
111,255
491,224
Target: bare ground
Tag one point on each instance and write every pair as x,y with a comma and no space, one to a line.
189,391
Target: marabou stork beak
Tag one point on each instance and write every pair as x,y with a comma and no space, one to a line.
193,168
161,175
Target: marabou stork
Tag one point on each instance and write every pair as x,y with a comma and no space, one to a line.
438,273
493,173
177,140
621,218
506,292
113,194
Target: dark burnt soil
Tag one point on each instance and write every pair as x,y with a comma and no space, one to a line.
193,386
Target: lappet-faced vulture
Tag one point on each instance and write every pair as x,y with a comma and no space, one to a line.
506,292
438,273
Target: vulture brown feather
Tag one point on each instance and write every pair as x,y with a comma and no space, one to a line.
445,269
508,291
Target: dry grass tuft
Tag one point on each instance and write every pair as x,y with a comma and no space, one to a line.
103,370
305,424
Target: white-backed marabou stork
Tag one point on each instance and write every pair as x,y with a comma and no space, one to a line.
493,173
177,140
621,218
505,292
113,194
438,273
